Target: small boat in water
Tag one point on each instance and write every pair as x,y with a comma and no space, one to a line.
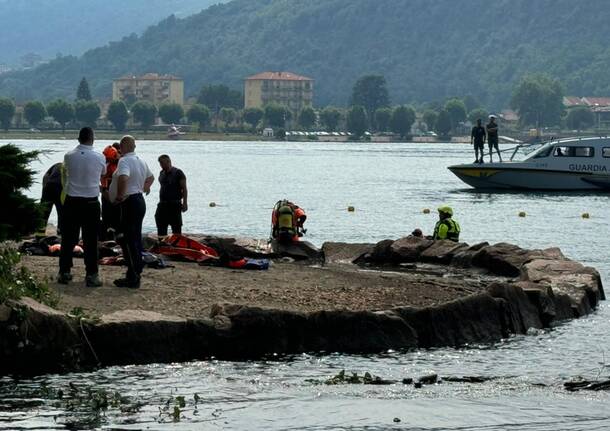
565,164
174,132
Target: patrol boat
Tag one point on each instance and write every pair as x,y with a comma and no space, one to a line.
564,164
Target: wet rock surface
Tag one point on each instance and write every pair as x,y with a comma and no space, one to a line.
504,290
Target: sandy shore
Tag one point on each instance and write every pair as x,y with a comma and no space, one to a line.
190,290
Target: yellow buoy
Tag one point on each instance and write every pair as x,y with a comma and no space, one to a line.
585,215
212,204
351,209
426,211
522,214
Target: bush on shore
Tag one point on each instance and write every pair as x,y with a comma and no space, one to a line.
16,281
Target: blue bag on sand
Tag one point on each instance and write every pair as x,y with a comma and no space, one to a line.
260,264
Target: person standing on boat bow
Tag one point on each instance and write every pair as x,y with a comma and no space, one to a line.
492,138
477,137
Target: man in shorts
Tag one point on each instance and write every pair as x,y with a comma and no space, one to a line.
492,138
477,137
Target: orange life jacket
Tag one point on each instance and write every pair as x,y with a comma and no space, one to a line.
187,248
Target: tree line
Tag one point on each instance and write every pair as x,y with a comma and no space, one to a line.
538,100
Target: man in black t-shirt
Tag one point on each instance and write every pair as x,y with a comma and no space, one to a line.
172,197
492,137
477,137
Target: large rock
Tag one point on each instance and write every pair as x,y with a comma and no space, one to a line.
301,250
408,249
552,307
442,252
520,312
474,319
37,339
463,257
255,332
358,331
379,254
343,252
390,252
138,337
582,284
507,259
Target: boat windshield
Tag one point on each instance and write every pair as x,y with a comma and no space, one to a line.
530,151
541,152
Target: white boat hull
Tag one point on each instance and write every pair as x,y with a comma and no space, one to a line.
518,176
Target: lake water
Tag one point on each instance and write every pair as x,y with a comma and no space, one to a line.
389,185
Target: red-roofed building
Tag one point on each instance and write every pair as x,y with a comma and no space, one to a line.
596,101
288,89
572,101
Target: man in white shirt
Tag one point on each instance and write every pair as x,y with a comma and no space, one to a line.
82,170
133,177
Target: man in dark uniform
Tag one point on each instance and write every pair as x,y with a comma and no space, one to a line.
477,137
492,138
173,197
51,195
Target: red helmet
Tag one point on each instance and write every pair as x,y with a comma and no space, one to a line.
111,154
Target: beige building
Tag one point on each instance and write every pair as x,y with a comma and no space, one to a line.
283,88
151,87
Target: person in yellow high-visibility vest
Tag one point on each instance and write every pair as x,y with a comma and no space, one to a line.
446,227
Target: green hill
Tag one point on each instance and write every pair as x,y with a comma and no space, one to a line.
427,49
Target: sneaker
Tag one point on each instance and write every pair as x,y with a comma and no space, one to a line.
64,278
125,282
93,280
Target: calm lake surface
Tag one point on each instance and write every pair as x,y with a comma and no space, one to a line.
389,185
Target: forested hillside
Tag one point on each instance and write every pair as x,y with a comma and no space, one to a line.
427,49
49,27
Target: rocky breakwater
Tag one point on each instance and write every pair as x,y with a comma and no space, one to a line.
537,289
504,290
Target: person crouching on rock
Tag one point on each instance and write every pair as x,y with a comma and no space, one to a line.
446,227
287,220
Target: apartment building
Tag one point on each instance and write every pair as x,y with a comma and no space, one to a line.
150,87
292,91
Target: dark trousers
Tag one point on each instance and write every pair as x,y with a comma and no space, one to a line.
79,214
132,212
110,218
51,195
168,214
